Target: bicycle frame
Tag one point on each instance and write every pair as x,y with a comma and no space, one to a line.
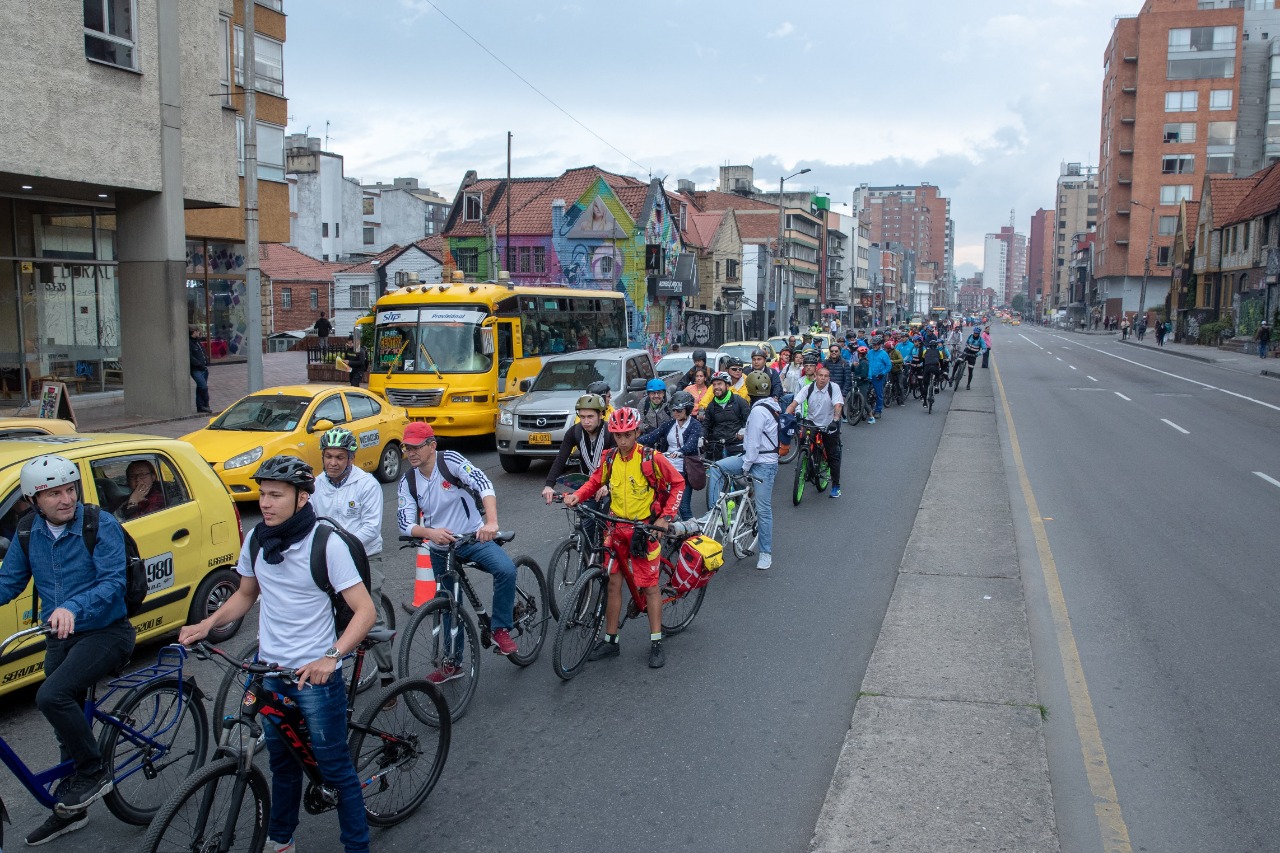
169,664
741,491
610,549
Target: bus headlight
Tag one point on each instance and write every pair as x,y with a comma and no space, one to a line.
462,398
505,418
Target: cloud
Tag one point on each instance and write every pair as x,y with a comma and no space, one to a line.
783,31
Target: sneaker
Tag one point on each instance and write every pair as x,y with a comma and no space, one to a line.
657,657
871,419
279,846
605,650
83,791
835,493
56,826
765,561
503,643
448,672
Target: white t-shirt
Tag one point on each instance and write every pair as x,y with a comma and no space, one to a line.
822,402
675,441
356,505
295,619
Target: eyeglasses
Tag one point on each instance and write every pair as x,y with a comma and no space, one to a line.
410,448
738,369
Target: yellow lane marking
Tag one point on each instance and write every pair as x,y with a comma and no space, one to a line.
1111,825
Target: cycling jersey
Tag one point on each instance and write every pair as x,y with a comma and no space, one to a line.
442,504
822,402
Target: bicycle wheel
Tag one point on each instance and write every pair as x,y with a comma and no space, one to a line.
677,610
565,567
917,390
802,475
745,532
213,810
579,624
399,747
855,408
166,740
428,647
930,391
530,616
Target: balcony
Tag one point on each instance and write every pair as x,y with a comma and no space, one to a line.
1124,211
1128,151
1122,241
1129,90
1124,180
1128,119
1133,58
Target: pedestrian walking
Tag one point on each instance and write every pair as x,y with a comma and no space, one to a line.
986,347
1263,337
1142,328
1160,334
323,329
199,371
358,361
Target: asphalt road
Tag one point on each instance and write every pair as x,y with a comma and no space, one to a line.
1143,466
730,747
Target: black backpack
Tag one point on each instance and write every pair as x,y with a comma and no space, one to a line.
135,570
449,477
342,611
932,358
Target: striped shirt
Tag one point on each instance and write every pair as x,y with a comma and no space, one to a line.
442,504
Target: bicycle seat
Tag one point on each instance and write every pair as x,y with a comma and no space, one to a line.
504,536
380,635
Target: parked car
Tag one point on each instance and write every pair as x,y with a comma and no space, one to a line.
680,362
288,419
531,427
190,545
19,427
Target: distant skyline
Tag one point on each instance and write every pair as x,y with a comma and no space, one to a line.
985,100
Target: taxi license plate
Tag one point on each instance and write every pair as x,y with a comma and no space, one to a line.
539,438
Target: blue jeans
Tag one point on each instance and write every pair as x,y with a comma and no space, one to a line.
763,493
490,557
686,505
325,709
877,382
1262,350
201,376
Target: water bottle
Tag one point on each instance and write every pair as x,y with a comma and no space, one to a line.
731,505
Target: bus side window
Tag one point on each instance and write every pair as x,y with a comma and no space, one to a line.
506,352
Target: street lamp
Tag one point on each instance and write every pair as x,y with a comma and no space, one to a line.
781,250
1146,262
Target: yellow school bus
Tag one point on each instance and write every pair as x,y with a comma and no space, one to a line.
450,353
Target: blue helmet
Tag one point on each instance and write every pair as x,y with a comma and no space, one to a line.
656,385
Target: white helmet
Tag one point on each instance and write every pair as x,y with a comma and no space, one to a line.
47,472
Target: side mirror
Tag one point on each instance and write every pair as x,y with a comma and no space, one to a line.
322,425
637,384
525,385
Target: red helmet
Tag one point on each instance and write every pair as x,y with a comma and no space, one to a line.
625,419
861,350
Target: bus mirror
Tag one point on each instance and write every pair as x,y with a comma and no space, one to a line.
486,341
526,384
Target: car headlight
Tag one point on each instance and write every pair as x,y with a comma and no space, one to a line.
506,418
243,459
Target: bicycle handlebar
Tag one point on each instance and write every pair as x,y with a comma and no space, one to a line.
502,537
23,635
205,650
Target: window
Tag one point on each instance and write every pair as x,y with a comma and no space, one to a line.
108,32
224,59
1180,102
1202,69
1199,39
324,229
526,259
270,150
1220,99
278,5
606,267
315,298
1173,194
366,206
368,236
268,63
1219,164
1162,255
358,296
472,204
731,270
286,298
1168,226
362,406
539,259
1222,133
330,409
1178,164
115,478
1181,132
337,229
468,260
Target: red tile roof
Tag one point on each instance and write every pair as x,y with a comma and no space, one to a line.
1225,194
1263,198
709,200
367,266
531,200
701,228
285,263
757,227
433,246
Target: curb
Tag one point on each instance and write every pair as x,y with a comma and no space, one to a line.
1200,358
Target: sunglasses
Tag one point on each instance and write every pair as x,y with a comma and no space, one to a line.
733,369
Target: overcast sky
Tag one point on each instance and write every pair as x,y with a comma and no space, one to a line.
984,98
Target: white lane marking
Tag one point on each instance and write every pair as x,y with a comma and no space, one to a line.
1270,480
1028,340
1123,397
1072,366
1175,426
1058,357
1090,378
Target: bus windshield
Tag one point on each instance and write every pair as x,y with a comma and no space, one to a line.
432,341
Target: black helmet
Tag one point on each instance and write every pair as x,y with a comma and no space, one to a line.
700,355
682,400
810,357
733,361
600,387
287,469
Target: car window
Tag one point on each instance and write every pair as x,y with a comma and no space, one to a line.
12,509
137,484
633,373
330,409
575,375
362,406
646,367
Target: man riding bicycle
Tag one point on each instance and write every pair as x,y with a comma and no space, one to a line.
972,348
725,418
759,459
931,367
878,366
643,486
825,403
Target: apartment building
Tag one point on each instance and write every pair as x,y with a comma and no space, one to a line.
1076,215
1004,263
917,217
1040,263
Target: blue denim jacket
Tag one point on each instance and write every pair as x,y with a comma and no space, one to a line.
92,588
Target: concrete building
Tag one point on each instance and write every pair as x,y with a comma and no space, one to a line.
326,208
400,213
917,217
1004,263
1077,214
357,287
93,241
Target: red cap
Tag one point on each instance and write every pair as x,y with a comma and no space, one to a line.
418,433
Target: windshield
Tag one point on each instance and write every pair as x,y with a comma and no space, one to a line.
444,341
676,361
272,413
742,351
576,375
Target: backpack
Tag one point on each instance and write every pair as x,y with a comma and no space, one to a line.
135,570
342,611
648,468
779,446
932,358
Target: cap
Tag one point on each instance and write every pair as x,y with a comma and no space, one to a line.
418,433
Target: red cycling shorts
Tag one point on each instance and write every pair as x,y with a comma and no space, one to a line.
618,546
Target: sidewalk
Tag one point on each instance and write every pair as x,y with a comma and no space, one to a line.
946,749
227,383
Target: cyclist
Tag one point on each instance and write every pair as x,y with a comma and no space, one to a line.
825,405
790,374
861,373
699,361
604,392
841,374
588,437
972,347
81,599
725,417
896,374
931,366
655,409
879,365
759,458
296,630
643,486
677,438
353,498
455,498
759,365
733,381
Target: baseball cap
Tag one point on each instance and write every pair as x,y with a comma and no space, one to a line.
418,433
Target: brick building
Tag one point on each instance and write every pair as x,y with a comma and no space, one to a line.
296,288
1040,263
917,217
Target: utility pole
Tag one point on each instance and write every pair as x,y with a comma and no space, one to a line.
253,271
1146,261
506,262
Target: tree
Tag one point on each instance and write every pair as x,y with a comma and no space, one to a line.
1019,301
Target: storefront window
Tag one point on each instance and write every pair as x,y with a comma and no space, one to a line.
216,296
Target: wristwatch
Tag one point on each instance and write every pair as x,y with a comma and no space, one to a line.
333,653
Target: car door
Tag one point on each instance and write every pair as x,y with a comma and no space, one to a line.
366,425
307,441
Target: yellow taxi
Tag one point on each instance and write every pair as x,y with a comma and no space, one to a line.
289,420
17,427
189,537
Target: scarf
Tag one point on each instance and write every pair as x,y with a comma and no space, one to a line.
591,455
722,401
274,540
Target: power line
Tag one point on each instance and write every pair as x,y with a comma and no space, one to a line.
539,92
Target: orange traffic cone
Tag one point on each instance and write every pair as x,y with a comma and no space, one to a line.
424,581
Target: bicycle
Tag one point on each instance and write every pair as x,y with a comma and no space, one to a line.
158,730
733,520
957,373
398,745
441,636
584,609
931,382
813,465
894,391
572,556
